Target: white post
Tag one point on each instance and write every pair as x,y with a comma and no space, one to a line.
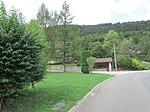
110,66
115,57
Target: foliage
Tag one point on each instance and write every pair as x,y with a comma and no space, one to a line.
101,51
35,32
137,65
65,19
43,16
127,47
91,63
143,47
49,21
56,87
146,65
20,61
126,62
84,64
130,38
126,27
85,69
112,36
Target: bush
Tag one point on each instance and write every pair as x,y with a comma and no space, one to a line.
128,63
124,62
137,65
91,63
84,64
85,69
146,65
20,56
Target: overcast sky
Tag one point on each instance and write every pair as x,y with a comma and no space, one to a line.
89,12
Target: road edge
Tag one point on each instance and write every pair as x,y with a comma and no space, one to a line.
95,87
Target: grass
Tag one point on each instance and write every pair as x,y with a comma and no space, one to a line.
56,87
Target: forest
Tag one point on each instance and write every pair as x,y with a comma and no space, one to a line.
66,41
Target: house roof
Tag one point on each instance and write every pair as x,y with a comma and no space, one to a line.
103,60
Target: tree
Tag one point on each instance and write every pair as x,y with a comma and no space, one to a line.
65,19
43,16
101,51
20,57
49,21
91,63
127,46
84,64
143,47
112,37
33,29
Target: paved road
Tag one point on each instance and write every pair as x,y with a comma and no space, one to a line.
124,93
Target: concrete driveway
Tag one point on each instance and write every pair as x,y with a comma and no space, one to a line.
123,93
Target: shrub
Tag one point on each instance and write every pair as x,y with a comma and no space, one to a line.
146,65
124,61
20,56
84,65
128,63
85,69
137,65
91,62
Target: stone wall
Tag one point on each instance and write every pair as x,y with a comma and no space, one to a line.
59,68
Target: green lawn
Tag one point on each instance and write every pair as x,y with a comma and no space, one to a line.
56,87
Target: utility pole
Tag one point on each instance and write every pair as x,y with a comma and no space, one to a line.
115,59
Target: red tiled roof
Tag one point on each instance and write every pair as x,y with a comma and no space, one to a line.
103,60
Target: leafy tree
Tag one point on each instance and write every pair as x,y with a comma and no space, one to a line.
142,49
65,19
76,50
101,51
91,63
127,47
20,60
124,61
49,21
89,41
112,37
43,16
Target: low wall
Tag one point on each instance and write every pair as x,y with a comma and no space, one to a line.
59,68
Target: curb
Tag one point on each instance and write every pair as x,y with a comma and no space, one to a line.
82,100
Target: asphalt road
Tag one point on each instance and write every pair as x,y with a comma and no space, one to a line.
124,93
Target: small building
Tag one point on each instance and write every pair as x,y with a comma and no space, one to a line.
103,63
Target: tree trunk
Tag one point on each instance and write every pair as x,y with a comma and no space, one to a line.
1,105
90,71
33,85
3,101
64,64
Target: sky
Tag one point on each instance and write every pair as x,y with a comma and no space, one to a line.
88,12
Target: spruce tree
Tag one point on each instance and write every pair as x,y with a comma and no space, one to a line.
20,55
